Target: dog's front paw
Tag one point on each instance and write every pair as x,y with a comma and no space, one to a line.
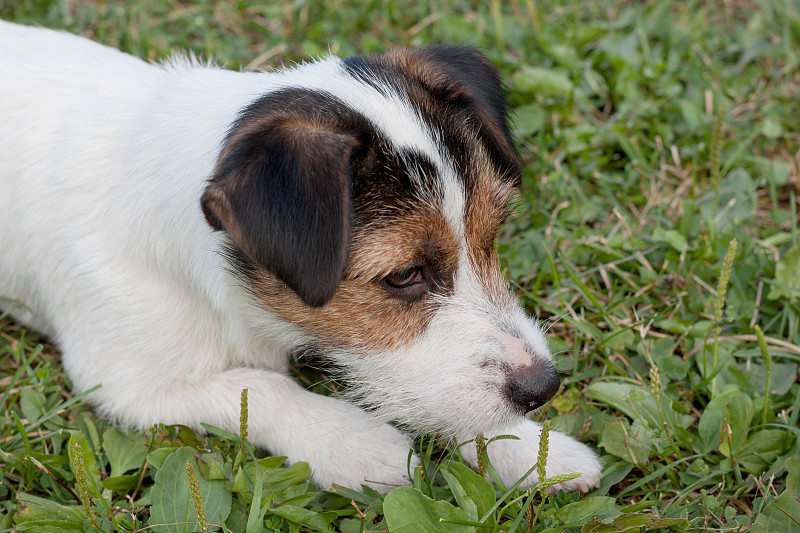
375,456
513,458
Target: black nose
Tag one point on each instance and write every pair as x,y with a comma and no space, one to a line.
533,386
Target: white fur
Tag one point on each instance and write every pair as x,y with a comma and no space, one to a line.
103,159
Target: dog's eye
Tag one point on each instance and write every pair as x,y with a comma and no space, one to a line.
404,278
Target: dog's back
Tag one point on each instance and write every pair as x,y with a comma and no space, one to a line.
84,152
99,210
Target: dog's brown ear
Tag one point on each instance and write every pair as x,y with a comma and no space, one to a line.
467,80
282,189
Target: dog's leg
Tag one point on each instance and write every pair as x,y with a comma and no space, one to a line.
342,443
512,458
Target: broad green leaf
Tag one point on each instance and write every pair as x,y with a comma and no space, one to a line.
578,513
787,277
710,423
781,515
224,433
306,517
612,394
88,426
278,479
477,487
172,509
464,501
672,237
763,447
125,451
771,128
629,442
157,457
302,499
187,436
270,463
33,403
692,328
634,522
39,514
237,519
639,403
354,525
258,507
407,510
673,367
782,377
738,415
691,114
614,471
734,203
563,53
214,466
121,484
542,80
272,476
793,477
357,496
529,119
240,482
619,339
776,171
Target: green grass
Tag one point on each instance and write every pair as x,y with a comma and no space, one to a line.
653,135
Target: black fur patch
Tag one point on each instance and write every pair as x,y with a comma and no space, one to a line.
299,171
457,91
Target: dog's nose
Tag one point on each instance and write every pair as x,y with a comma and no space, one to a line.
534,386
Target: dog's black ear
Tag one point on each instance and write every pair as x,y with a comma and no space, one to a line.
282,189
466,79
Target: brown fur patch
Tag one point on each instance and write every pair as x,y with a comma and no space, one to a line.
363,313
487,206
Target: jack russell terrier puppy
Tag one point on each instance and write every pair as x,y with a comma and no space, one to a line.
181,231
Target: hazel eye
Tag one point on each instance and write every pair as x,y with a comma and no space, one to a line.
404,278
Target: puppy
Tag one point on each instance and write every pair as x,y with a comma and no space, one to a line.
181,230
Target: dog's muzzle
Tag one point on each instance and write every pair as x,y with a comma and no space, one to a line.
531,387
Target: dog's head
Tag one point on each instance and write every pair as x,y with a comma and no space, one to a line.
362,197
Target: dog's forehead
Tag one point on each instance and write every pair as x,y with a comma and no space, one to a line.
426,123
390,112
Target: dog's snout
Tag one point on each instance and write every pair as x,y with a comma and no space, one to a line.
532,387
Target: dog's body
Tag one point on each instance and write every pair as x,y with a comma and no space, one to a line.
180,230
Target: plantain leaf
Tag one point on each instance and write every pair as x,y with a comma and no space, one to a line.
407,510
173,509
125,451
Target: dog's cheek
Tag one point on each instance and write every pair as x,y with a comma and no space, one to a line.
361,315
